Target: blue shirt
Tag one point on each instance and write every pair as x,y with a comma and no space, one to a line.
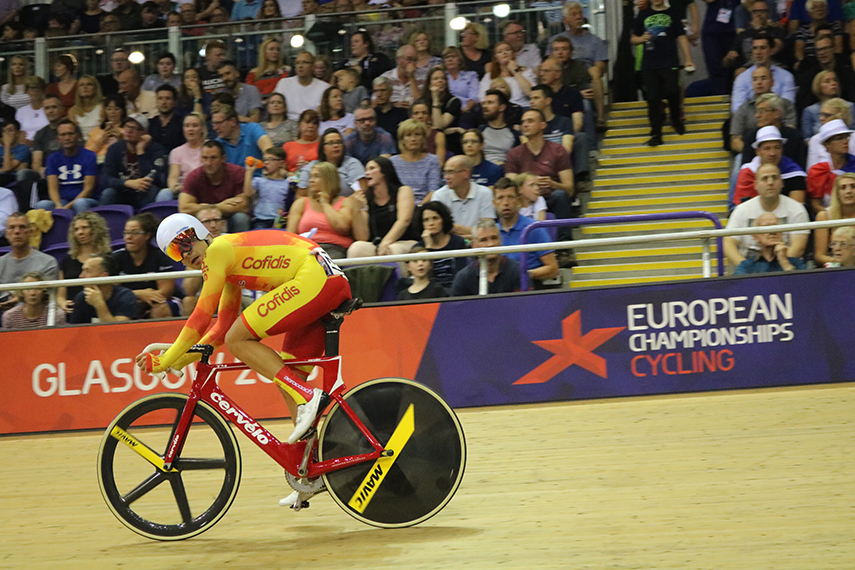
784,86
271,197
20,152
247,145
362,151
71,171
243,10
761,265
513,236
486,173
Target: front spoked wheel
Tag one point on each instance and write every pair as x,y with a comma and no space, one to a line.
189,498
425,466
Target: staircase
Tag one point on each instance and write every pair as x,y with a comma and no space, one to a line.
688,172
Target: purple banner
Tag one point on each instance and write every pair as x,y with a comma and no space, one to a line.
706,335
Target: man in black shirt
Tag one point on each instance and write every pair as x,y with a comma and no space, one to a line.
166,128
388,115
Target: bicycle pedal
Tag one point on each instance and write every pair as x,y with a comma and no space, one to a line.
309,434
300,505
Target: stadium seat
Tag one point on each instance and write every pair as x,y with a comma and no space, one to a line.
115,215
58,251
58,232
161,209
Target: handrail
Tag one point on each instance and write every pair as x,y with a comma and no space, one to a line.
606,220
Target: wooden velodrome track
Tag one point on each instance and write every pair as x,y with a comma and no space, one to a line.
745,480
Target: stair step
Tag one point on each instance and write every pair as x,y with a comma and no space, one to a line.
669,253
647,227
642,180
699,116
657,168
642,267
691,202
644,129
690,102
673,190
644,152
681,159
711,139
585,283
690,110
717,209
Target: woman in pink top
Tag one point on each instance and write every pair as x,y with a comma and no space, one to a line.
186,157
325,210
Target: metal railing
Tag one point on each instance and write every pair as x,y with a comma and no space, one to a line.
609,220
480,253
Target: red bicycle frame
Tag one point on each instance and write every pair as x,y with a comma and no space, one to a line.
205,388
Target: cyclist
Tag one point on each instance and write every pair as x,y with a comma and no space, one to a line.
302,285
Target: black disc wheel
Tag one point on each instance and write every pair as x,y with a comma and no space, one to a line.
426,463
189,498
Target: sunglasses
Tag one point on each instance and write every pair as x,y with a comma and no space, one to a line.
181,245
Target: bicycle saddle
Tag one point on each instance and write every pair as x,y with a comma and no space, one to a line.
346,308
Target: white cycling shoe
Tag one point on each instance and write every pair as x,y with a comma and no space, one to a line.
296,499
306,414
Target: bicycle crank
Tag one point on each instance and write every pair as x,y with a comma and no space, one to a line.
304,485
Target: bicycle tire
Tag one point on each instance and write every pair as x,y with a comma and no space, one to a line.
426,470
144,507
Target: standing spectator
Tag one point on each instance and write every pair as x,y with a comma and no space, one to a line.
240,140
270,69
420,111
350,170
88,235
784,83
825,87
304,149
421,284
109,132
769,147
245,10
278,126
129,13
103,303
72,172
436,225
215,54
503,274
247,98
66,86
405,84
475,48
382,214
166,128
842,207
270,190
717,35
353,93
499,138
13,92
661,32
185,158
425,60
165,74
369,140
34,309
333,114
772,254
745,118
364,55
88,105
468,201
527,55
483,171
302,92
461,84
32,115
415,167
134,169
834,135
137,100
46,142
218,183
518,78
387,115
23,258
119,62
191,97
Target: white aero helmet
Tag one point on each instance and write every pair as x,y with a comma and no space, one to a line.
183,226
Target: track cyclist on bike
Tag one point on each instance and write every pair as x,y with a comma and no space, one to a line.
302,285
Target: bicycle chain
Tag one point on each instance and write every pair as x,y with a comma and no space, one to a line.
304,485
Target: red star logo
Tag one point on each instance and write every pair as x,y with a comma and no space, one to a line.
572,349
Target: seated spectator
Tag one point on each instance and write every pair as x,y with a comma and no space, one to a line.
468,201
34,308
772,255
191,97
825,60
799,14
270,191
13,92
769,146
364,55
113,114
551,163
72,172
768,184
369,140
770,114
165,74
271,68
88,235
383,214
421,284
209,77
760,23
331,149
503,274
808,32
240,140
150,16
325,209
416,168
541,265
185,158
405,82
134,169
532,204
499,137
46,142
302,92
217,182
462,85
88,21
323,69
436,235
32,115
305,149
562,130
247,98
435,142
519,79
425,60
137,101
527,55
332,113
139,257
387,115
834,135
129,13
103,303
842,247
353,94
278,126
16,156
445,109
88,105
784,85
760,107
119,63
574,73
842,207
475,47
483,171
22,259
825,87
65,86
165,128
